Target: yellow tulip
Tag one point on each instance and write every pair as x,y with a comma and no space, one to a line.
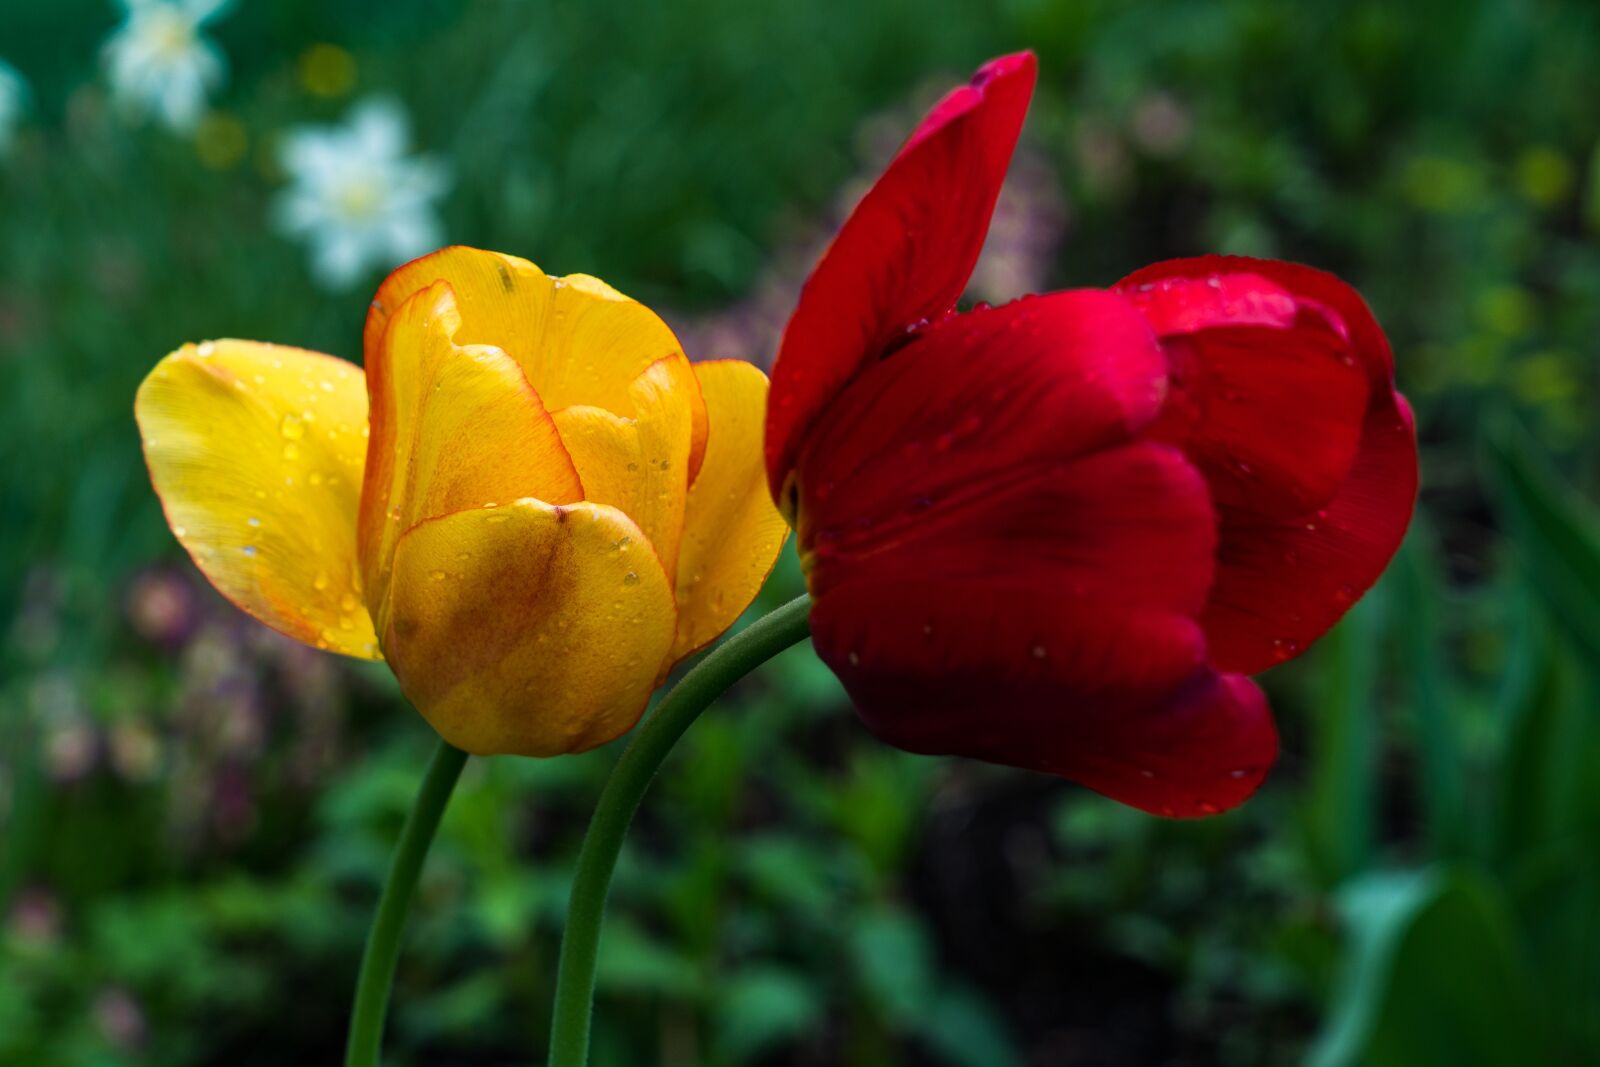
531,504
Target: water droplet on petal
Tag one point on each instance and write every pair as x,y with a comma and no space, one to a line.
292,427
630,579
320,582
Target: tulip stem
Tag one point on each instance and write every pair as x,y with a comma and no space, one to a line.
383,943
711,677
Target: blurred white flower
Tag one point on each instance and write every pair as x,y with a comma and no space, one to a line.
13,102
356,197
160,63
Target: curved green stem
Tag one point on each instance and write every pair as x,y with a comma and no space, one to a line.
735,658
383,943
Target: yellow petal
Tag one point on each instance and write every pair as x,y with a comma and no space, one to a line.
732,534
528,628
453,427
257,451
579,341
639,465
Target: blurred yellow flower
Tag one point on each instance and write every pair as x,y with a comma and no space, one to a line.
531,504
220,141
327,70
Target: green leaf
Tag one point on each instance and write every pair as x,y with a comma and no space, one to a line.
1441,765
632,962
1538,721
1433,977
895,964
1340,812
965,1031
1555,533
760,1007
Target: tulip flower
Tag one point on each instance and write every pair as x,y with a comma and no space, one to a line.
531,504
1061,533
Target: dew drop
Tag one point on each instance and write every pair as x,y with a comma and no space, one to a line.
206,349
437,576
1039,652
249,550
498,518
253,521
1145,772
291,451
320,582
855,659
1240,773
180,531
347,603
630,579
292,427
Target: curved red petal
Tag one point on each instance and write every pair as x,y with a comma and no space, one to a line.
1021,628
1202,751
1310,288
904,255
1282,583
1267,395
1114,699
981,402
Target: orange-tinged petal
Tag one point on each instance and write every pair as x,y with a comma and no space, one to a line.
453,427
579,341
528,628
639,465
732,533
257,451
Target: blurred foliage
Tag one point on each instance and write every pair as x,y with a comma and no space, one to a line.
195,816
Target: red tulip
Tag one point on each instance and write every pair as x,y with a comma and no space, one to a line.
1058,534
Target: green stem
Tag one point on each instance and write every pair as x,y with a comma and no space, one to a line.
383,943
732,660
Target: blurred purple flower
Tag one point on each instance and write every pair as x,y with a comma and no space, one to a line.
35,918
161,607
1161,124
119,1019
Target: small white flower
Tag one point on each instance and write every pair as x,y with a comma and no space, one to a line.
160,63
356,197
13,103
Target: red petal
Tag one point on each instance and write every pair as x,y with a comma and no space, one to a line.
980,403
904,255
1018,628
1205,750
1314,491
1311,289
1266,395
1111,698
1281,584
